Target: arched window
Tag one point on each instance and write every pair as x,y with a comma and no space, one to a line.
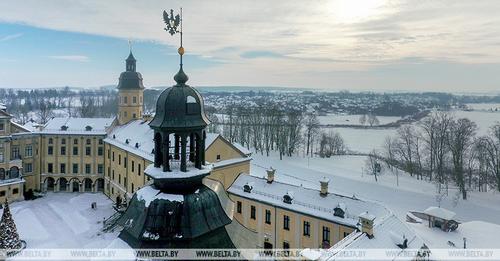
2,173
14,172
190,99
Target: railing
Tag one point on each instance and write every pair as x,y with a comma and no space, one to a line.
297,202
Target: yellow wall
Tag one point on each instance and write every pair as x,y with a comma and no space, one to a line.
275,233
127,108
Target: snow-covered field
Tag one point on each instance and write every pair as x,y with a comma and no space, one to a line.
364,140
483,119
340,119
347,177
484,106
64,220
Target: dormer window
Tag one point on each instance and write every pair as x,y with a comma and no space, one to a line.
247,188
88,128
339,210
288,197
137,145
64,127
127,141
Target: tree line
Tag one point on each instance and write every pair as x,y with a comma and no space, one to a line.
268,127
446,150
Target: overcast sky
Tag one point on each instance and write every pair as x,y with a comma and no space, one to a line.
337,44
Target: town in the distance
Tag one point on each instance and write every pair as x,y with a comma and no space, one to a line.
135,172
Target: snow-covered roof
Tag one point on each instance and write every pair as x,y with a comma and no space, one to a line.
3,107
307,201
388,234
440,213
242,148
149,194
138,131
32,125
77,126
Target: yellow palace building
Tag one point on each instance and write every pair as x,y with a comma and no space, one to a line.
110,155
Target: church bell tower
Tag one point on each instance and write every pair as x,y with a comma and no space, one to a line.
130,92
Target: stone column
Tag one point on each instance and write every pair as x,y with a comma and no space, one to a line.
183,152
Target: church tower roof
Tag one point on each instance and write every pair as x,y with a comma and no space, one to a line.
130,78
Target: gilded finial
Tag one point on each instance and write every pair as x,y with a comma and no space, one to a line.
173,26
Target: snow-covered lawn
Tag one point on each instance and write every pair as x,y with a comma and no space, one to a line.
483,119
341,119
347,177
64,220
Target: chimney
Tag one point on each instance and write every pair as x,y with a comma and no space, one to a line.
366,221
270,175
324,186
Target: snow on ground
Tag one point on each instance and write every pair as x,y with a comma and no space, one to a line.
484,106
341,119
483,119
65,220
479,234
347,177
364,140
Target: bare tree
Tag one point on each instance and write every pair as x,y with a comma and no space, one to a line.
460,139
372,165
312,129
362,119
44,112
373,120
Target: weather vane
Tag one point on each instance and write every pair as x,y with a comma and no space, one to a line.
173,26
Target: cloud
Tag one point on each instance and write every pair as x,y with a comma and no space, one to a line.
10,37
73,58
259,54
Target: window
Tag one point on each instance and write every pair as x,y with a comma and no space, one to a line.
132,187
63,141
101,142
134,115
326,234
50,168
120,179
87,168
28,167
15,191
119,159
113,156
75,151
2,126
268,216
134,99
2,193
1,156
286,222
100,151
307,228
75,141
109,154
252,212
125,100
218,156
100,169
62,168
286,245
15,153
346,234
138,169
51,141
88,142
133,164
75,168
124,162
87,151
113,174
50,150
28,151
63,150
238,207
